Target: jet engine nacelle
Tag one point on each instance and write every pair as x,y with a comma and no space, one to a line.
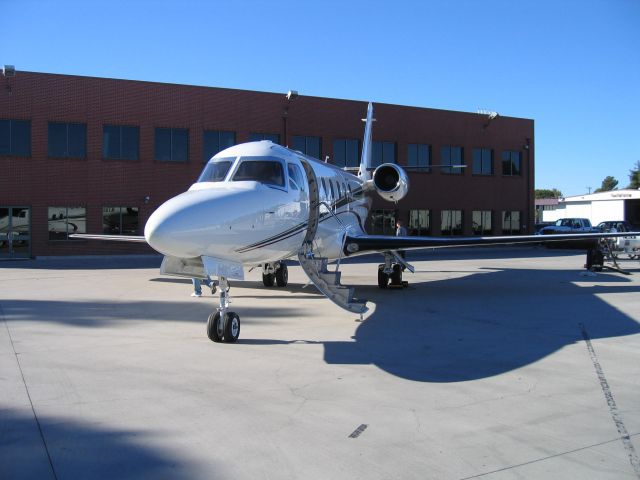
391,182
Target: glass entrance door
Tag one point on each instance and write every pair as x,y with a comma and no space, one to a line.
15,232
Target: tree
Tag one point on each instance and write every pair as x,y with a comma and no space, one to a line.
634,177
608,184
546,193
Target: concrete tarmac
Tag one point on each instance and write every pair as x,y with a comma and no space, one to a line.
485,367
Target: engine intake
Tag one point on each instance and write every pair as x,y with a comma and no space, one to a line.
391,182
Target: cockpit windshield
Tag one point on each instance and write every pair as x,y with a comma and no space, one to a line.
269,172
216,171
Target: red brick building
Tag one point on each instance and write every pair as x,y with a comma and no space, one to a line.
81,154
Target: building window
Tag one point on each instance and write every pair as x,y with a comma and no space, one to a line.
65,221
451,156
68,140
15,138
172,144
481,222
383,152
346,153
482,161
383,222
511,222
215,141
419,157
511,163
120,220
119,142
256,137
308,145
451,222
419,222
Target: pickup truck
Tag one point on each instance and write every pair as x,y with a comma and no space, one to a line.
569,225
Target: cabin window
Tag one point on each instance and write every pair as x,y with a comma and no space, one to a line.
325,193
296,175
269,172
216,171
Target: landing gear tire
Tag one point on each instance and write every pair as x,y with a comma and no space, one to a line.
268,279
282,275
232,328
383,278
215,327
396,276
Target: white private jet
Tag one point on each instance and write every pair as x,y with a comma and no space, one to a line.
257,204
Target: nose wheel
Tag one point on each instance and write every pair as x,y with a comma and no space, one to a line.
223,325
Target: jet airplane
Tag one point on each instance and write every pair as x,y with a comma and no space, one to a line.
257,204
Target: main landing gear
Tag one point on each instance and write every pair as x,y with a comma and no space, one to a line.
390,273
275,273
223,325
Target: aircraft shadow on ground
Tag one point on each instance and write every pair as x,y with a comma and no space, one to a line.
80,451
106,262
481,325
450,330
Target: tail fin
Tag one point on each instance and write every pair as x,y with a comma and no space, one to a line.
365,162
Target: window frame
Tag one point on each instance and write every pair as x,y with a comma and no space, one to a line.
11,137
218,140
447,162
121,142
482,161
66,222
509,171
418,167
172,133
67,140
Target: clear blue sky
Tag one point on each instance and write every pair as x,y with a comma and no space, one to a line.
572,66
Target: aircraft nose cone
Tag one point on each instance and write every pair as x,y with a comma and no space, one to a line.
169,229
159,233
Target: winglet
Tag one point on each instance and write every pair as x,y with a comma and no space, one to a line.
365,161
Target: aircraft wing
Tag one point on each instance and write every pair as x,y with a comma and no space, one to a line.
112,238
356,245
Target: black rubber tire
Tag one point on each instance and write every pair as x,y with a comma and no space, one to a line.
232,328
396,276
282,275
383,278
269,279
214,328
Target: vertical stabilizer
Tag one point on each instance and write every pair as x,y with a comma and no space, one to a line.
365,162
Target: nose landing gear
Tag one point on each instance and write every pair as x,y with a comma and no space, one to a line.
223,325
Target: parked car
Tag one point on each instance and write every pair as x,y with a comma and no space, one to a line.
570,225
619,225
623,245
